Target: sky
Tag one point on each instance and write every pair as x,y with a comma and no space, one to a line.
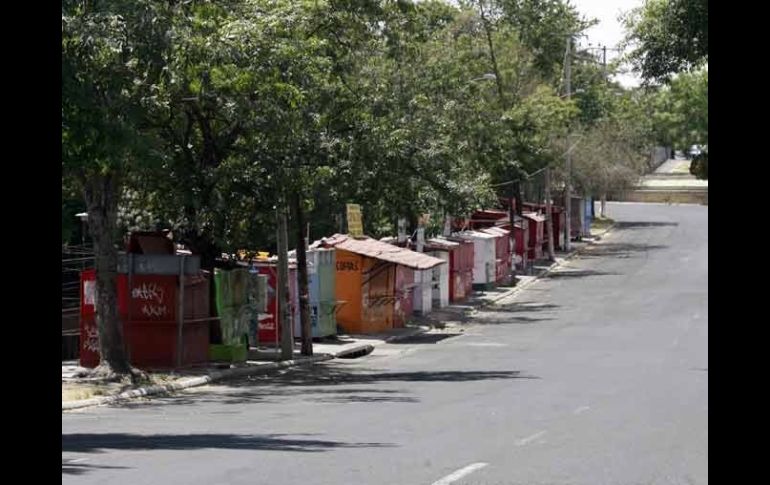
609,31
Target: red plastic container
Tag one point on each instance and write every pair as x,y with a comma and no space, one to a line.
268,331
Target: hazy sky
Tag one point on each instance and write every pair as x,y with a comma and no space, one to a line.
609,31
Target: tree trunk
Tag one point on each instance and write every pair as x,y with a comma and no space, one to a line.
492,56
284,300
304,296
519,199
604,205
101,197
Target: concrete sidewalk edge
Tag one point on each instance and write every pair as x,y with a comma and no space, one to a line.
552,267
259,369
231,373
192,382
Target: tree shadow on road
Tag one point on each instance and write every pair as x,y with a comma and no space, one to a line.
95,443
425,338
524,306
503,319
604,250
83,468
333,382
643,224
514,313
577,273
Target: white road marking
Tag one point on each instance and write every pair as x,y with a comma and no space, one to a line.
581,409
453,477
78,460
528,439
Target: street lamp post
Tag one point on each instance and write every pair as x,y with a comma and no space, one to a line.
83,216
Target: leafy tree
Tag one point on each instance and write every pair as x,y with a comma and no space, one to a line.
681,110
109,70
669,36
611,152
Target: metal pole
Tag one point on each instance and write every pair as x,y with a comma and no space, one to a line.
568,161
284,309
180,314
548,216
130,257
604,61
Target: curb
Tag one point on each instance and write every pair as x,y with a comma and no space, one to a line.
405,335
353,352
552,267
192,382
363,349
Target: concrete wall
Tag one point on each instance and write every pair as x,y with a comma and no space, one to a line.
665,196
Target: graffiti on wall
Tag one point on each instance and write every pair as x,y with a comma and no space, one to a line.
91,340
153,297
347,266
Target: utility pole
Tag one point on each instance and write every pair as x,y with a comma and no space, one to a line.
548,215
284,309
568,161
512,234
302,278
604,61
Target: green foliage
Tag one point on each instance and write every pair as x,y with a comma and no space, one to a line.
699,166
669,36
681,110
214,113
611,152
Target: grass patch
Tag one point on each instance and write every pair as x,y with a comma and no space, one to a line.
602,222
78,392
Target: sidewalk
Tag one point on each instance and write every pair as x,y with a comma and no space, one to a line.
83,392
80,392
459,314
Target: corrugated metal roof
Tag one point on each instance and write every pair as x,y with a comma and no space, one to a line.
498,231
473,234
534,216
441,244
383,251
490,214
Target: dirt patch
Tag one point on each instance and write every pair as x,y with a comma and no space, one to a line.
74,389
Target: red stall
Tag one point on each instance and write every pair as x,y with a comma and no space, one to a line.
148,305
269,332
521,236
536,229
455,287
557,222
402,289
461,270
502,253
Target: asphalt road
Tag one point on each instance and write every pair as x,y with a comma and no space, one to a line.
595,375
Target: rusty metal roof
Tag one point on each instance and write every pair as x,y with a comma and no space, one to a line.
534,216
383,251
497,231
441,244
473,235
